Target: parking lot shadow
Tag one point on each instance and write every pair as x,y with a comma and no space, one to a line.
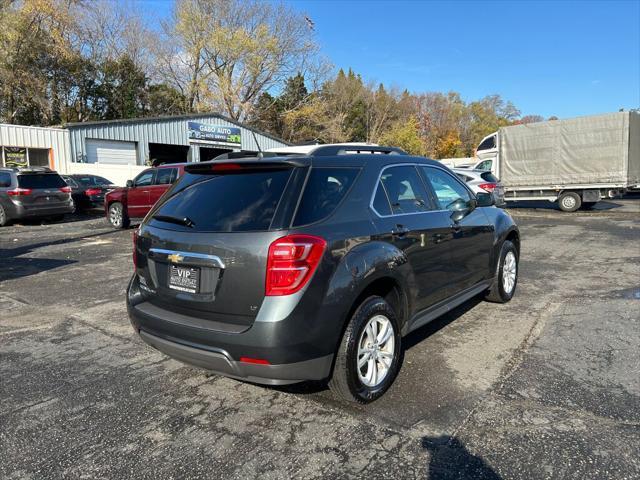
439,323
21,250
449,459
13,268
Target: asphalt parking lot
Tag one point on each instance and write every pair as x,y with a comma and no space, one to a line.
547,386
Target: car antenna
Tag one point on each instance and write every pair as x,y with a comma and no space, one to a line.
255,138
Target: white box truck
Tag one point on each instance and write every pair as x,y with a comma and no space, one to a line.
575,162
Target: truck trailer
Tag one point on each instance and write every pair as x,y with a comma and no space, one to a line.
575,162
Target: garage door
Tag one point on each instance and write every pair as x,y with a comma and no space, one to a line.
110,151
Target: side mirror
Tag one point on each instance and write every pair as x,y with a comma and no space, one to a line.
129,183
485,199
461,208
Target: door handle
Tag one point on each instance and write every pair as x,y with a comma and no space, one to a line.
400,231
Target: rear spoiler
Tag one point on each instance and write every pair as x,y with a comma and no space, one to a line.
243,166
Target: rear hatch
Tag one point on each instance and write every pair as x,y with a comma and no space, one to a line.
42,190
202,251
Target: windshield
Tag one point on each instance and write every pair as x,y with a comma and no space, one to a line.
90,180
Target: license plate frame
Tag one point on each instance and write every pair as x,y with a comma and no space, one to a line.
184,278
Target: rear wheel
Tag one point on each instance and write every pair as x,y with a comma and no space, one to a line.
506,278
3,217
569,201
368,359
117,216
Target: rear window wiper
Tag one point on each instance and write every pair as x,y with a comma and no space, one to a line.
186,221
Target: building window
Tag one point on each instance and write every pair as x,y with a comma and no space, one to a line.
24,157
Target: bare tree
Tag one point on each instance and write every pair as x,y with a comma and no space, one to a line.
223,54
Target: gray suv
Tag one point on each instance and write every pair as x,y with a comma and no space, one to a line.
287,269
33,192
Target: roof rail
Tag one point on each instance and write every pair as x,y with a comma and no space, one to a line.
326,150
30,169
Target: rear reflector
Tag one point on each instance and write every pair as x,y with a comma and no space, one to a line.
257,361
16,192
93,191
291,263
65,189
489,187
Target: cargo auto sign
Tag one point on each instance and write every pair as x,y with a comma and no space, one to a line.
214,134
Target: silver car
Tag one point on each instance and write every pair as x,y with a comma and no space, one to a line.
481,181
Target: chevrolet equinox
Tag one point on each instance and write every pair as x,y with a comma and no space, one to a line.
286,269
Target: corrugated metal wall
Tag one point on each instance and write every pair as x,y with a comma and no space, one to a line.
169,131
56,139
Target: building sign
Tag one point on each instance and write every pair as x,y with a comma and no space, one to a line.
15,157
214,134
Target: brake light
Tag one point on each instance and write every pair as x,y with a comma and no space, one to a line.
16,192
135,248
65,189
489,187
291,263
93,191
226,167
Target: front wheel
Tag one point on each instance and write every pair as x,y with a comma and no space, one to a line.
368,359
117,216
506,278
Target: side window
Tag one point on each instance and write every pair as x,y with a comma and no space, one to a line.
488,143
144,179
166,176
446,188
325,188
405,190
5,179
381,202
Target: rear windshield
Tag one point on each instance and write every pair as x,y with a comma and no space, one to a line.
489,177
227,203
41,180
89,180
325,188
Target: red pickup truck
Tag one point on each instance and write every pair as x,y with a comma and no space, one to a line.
136,199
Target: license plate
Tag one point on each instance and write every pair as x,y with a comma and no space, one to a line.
184,279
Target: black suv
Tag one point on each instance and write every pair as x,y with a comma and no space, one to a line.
281,270
33,192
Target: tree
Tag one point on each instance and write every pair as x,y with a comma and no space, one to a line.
223,54
405,135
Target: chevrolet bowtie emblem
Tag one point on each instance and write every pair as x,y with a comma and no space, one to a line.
175,258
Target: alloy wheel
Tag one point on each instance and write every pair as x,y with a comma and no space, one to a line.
376,350
509,272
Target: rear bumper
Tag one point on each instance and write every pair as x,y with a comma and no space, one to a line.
20,211
219,361
293,350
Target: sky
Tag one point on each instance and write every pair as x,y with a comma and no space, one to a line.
548,57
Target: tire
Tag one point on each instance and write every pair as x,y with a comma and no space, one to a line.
4,219
117,217
569,201
347,380
501,291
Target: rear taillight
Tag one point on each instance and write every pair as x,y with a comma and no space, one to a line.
135,248
93,191
489,187
255,361
16,192
291,263
65,189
